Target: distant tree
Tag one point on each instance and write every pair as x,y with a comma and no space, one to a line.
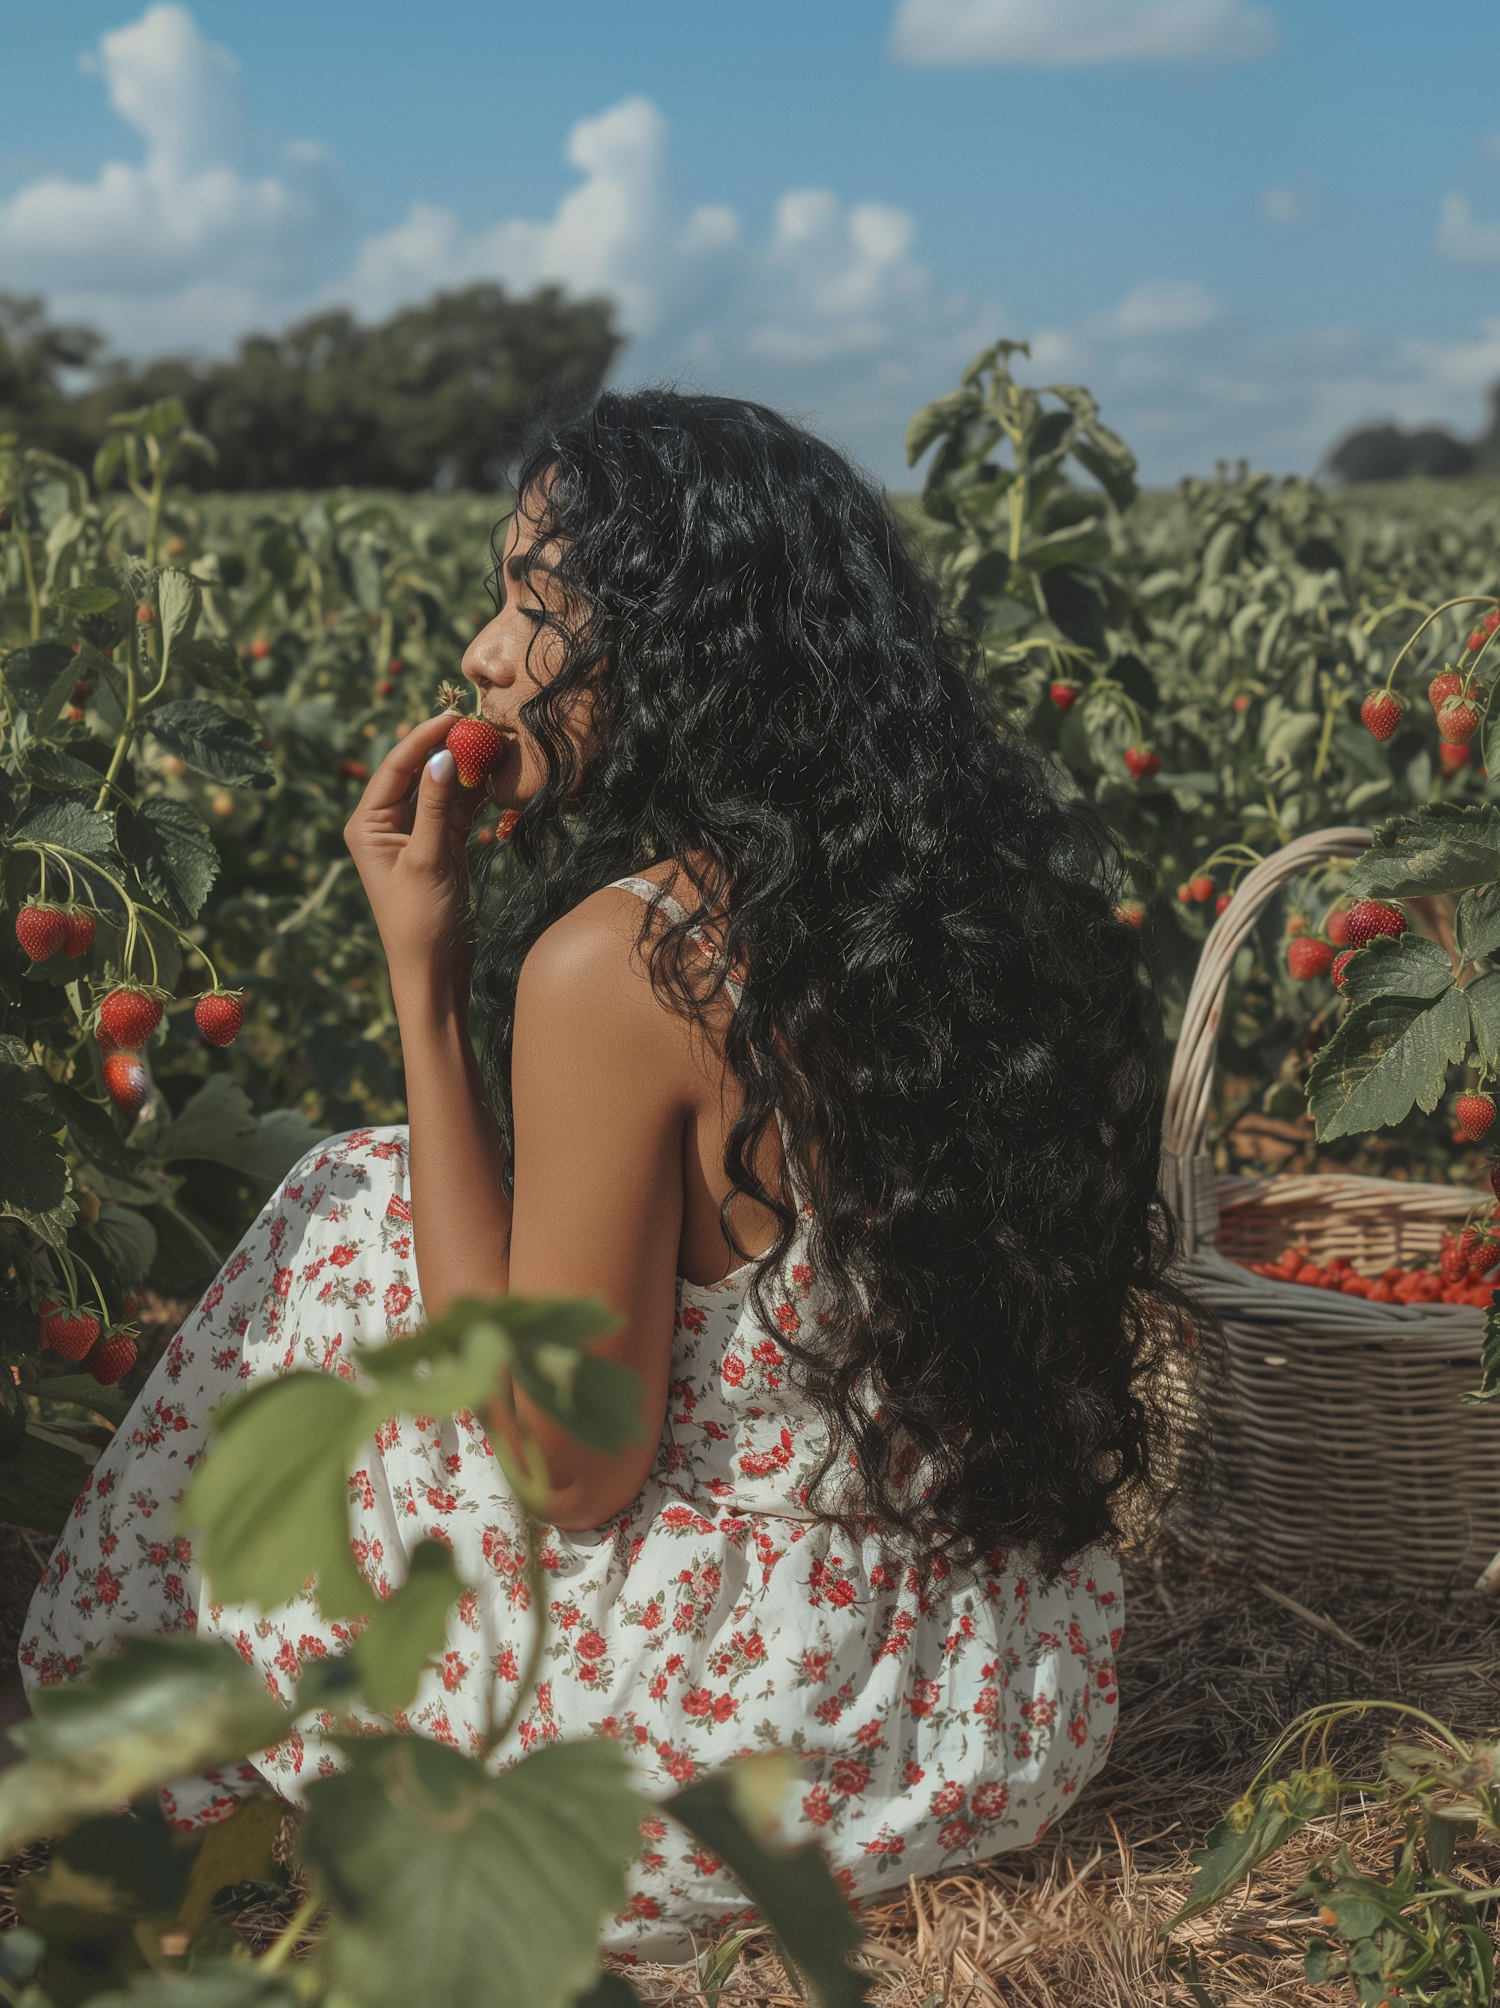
423,399
1386,453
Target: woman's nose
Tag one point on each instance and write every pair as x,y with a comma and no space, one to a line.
484,658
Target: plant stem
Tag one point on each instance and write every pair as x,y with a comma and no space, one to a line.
127,730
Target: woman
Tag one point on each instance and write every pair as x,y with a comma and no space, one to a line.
811,1045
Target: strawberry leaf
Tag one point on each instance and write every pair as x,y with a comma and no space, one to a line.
1406,965
1387,1055
1489,1356
1442,848
1483,996
408,1630
1478,923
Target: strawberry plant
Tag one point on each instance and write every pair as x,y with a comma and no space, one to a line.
433,1875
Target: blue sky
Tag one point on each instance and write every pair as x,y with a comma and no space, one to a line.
1246,226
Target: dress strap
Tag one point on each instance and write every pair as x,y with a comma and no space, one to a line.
655,895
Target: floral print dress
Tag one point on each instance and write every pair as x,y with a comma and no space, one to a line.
941,1716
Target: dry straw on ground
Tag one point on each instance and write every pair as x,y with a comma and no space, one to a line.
1211,1669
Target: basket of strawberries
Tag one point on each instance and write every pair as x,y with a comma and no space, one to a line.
1332,1424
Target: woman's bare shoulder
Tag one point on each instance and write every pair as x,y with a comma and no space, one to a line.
585,977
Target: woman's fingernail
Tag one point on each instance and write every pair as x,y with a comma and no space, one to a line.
440,766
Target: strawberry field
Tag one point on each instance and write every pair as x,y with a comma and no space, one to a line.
195,688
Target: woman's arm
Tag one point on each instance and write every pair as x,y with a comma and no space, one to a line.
602,1083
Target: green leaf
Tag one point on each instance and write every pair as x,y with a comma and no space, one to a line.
209,660
1444,847
224,1984
1406,965
130,1239
86,599
172,853
1252,1831
216,1123
1387,1055
1483,996
1478,923
54,767
71,827
281,1137
1489,1356
33,671
212,740
177,606
133,1855
408,1630
937,418
161,1708
33,1170
733,1812
270,1501
453,1886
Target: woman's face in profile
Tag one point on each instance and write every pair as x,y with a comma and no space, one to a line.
515,655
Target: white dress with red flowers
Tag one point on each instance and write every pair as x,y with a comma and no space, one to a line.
940,1717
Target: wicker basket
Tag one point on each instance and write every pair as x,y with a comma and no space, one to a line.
1335,1434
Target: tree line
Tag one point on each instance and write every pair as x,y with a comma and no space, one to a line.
1390,453
424,399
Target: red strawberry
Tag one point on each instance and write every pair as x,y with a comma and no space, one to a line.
65,1328
1222,901
1142,762
130,1015
1495,1180
354,770
1447,683
1369,918
1336,927
80,937
1476,641
259,650
1492,620
1453,1263
41,930
82,692
1381,713
1134,915
115,1357
475,746
384,687
1473,1113
1458,719
1184,894
1202,889
506,827
1308,957
219,1016
1340,964
1453,759
126,1082
395,667
1480,1249
1064,694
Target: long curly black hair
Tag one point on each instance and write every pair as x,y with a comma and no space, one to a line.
940,1005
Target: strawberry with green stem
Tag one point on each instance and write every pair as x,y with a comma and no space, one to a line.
474,743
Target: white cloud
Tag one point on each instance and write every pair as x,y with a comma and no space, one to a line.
1163,307
180,244
1283,206
1461,238
1055,32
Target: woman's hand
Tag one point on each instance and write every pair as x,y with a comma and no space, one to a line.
407,839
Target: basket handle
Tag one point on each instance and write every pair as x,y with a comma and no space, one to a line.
1190,1085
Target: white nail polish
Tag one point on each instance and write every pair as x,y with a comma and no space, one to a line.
440,766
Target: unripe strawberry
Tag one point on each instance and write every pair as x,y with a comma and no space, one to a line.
1454,759
1202,888
1308,957
1447,683
1064,694
1340,964
1370,918
475,746
65,1329
114,1358
41,930
1458,719
1473,1113
259,650
219,1016
1381,713
80,936
130,1015
1224,900
1129,910
1142,762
